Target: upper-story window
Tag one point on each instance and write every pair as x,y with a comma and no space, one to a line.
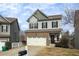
33,25
44,24
3,28
54,24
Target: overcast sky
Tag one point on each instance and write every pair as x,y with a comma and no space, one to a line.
24,10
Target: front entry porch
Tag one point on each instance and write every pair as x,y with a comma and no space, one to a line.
54,38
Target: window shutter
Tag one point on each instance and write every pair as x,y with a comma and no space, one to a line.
6,28
56,24
37,25
52,25
42,25
46,24
29,25
1,28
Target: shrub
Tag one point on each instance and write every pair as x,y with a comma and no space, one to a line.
71,43
64,41
58,44
24,42
8,45
4,48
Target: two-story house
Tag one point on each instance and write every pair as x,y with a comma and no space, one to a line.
43,30
9,30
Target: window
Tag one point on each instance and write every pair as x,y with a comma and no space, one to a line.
4,28
33,25
54,24
44,25
1,28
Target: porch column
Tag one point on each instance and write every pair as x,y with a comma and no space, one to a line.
55,38
60,36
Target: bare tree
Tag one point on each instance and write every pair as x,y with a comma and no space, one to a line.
69,17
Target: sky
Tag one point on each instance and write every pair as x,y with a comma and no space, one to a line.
23,11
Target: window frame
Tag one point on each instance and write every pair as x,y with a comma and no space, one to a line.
55,24
33,25
44,24
4,28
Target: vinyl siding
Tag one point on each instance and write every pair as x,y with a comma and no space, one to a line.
5,33
14,32
49,24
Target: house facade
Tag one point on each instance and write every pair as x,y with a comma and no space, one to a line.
9,30
43,30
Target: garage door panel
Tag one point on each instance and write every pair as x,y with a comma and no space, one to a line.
36,41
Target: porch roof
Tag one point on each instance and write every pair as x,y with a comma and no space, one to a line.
45,30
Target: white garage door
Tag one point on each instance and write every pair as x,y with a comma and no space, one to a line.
1,44
36,41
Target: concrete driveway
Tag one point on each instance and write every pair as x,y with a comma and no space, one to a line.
33,50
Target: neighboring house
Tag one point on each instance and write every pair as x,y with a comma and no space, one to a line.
76,25
9,30
43,30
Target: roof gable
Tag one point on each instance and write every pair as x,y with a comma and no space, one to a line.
33,19
39,15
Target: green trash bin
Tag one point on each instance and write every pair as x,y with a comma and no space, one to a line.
4,48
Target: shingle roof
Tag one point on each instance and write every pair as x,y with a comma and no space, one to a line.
54,17
10,19
6,19
41,16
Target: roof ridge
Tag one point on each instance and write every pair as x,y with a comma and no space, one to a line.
41,12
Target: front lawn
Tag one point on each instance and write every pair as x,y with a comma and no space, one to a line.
55,51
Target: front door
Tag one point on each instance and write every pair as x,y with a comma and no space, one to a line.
52,39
